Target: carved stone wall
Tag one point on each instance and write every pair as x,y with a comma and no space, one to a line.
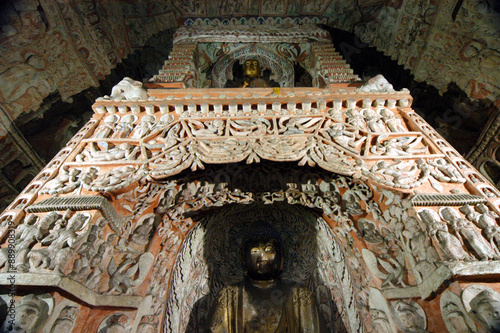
397,222
440,42
53,47
485,155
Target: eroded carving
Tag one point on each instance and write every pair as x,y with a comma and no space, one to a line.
483,304
454,315
128,89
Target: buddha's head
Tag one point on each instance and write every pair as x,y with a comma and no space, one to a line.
487,308
31,311
251,68
262,253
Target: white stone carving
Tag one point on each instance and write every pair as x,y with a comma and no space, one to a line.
125,126
115,323
31,312
393,123
68,180
115,179
63,317
27,235
454,315
419,246
62,243
381,315
409,316
355,119
143,129
450,246
65,320
399,146
376,84
96,269
398,173
373,120
123,151
348,139
467,233
483,305
445,171
129,90
129,273
385,268
107,128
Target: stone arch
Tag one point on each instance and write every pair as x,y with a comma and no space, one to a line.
204,201
282,69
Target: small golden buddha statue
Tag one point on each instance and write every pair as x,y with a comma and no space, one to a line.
252,77
262,302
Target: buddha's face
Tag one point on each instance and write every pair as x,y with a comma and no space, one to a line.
251,68
449,214
26,317
408,319
263,259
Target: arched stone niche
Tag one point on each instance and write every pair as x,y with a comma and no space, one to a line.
210,259
282,70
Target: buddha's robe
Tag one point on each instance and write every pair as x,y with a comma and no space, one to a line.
298,311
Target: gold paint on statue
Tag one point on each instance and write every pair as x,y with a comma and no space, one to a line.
262,302
251,68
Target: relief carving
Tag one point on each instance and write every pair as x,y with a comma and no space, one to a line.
130,273
29,233
110,153
449,245
31,313
454,315
107,128
129,90
116,323
465,231
483,304
409,316
62,241
65,320
377,83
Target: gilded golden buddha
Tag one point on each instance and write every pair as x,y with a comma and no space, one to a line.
263,302
252,77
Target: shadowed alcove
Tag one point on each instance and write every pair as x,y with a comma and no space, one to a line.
210,259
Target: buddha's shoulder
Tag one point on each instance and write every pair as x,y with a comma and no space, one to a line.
299,293
229,291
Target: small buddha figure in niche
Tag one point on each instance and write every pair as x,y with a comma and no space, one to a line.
486,307
263,302
252,77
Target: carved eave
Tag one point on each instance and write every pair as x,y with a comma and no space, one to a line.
280,33
80,203
70,286
443,275
446,199
311,107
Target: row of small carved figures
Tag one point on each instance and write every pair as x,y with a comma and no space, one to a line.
478,232
381,121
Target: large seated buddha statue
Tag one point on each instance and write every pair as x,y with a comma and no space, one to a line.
263,302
